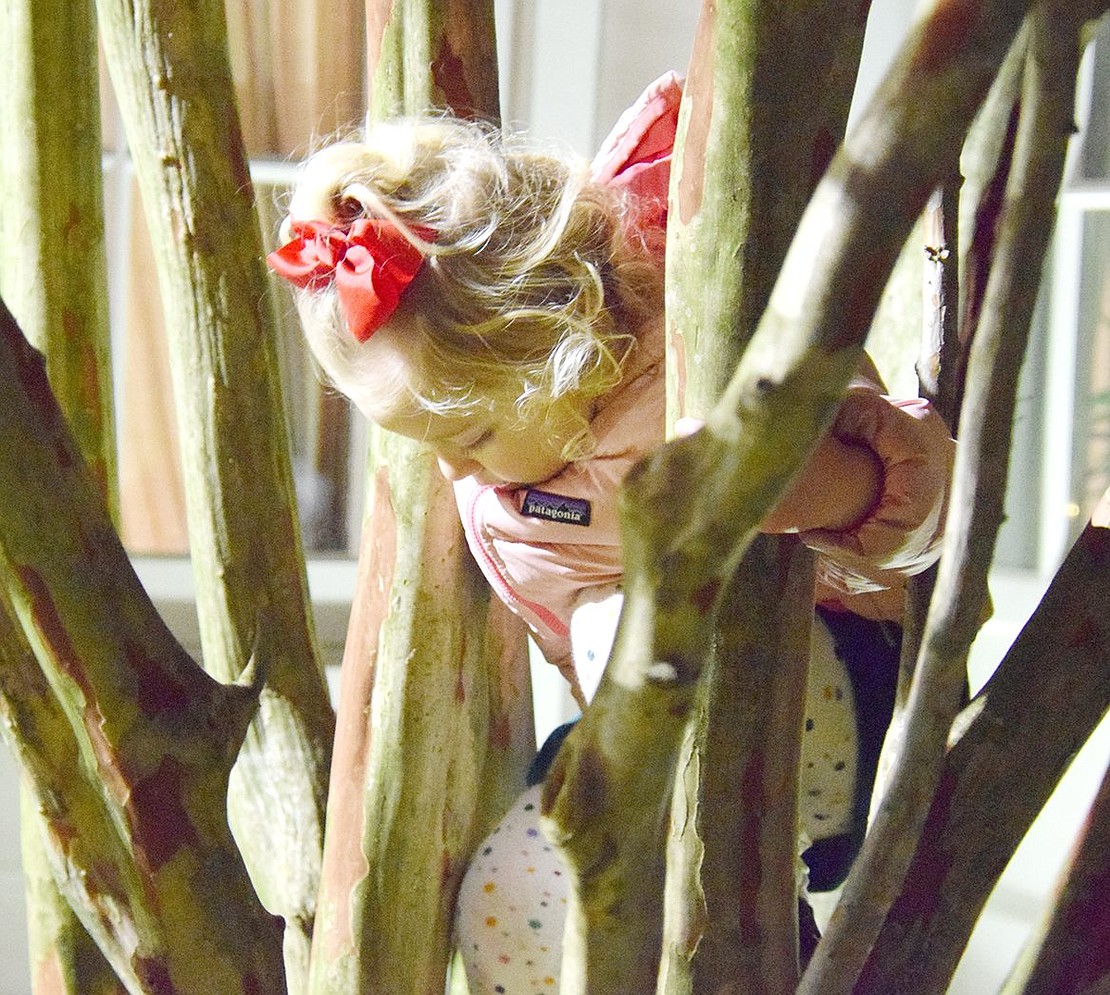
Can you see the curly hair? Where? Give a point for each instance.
(530, 288)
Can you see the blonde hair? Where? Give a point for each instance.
(531, 285)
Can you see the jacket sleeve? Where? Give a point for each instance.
(901, 534)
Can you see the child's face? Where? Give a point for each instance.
(494, 449)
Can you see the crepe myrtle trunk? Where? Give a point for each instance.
(52, 274)
(1068, 954)
(748, 155)
(425, 54)
(129, 742)
(170, 71)
(434, 727)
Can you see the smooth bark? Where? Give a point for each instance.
(52, 262)
(136, 821)
(170, 71)
(748, 156)
(1070, 953)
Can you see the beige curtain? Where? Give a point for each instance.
(299, 68)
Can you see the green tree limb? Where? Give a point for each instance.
(150, 867)
(435, 717)
(170, 71)
(748, 155)
(53, 275)
(56, 791)
(975, 511)
(52, 260)
(682, 543)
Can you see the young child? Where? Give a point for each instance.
(503, 304)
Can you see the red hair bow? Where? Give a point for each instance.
(370, 261)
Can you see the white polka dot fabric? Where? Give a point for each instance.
(512, 902)
(827, 779)
(511, 908)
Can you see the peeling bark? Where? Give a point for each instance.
(748, 802)
(434, 734)
(64, 960)
(432, 53)
(137, 827)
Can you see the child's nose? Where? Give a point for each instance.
(457, 467)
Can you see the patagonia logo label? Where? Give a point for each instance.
(556, 508)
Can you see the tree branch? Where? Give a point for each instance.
(1071, 954)
(1025, 727)
(975, 514)
(170, 70)
(749, 151)
(682, 542)
(165, 882)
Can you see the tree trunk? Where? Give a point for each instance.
(52, 264)
(741, 184)
(431, 743)
(743, 933)
(1070, 955)
(134, 793)
(432, 53)
(435, 726)
(170, 71)
(53, 275)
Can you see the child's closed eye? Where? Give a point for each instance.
(474, 441)
(483, 440)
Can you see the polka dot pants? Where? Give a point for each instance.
(512, 906)
(512, 902)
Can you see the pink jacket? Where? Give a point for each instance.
(549, 548)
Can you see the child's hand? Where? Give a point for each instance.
(836, 490)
